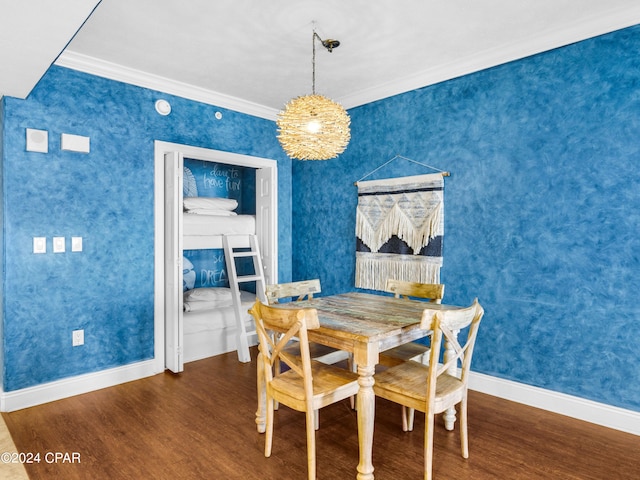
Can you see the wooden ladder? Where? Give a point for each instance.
(243, 246)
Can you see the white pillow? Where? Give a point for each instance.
(209, 294)
(198, 306)
(217, 213)
(209, 203)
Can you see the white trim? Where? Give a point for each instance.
(623, 18)
(68, 387)
(575, 407)
(196, 153)
(600, 25)
(112, 71)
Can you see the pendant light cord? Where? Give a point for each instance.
(313, 60)
(329, 44)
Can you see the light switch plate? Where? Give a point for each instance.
(58, 245)
(76, 244)
(39, 244)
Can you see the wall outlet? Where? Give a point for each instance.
(77, 338)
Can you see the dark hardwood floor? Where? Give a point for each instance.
(200, 425)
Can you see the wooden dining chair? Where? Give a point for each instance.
(307, 385)
(431, 388)
(401, 289)
(298, 291)
(303, 290)
(412, 350)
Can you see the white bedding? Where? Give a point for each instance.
(199, 299)
(216, 318)
(204, 204)
(195, 224)
(212, 332)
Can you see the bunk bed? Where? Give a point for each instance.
(208, 312)
(210, 326)
(205, 220)
(200, 231)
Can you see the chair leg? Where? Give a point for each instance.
(464, 437)
(268, 439)
(316, 419)
(311, 444)
(276, 371)
(428, 446)
(407, 419)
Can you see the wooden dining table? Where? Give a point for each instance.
(364, 325)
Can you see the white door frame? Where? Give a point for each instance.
(218, 156)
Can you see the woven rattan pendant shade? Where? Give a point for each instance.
(313, 127)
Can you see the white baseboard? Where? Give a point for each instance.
(575, 407)
(68, 387)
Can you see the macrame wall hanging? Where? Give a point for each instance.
(399, 229)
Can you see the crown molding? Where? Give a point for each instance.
(497, 56)
(579, 31)
(112, 71)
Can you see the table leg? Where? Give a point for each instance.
(366, 402)
(262, 397)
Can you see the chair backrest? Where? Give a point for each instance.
(288, 323)
(443, 323)
(296, 290)
(400, 288)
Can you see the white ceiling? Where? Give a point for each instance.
(32, 35)
(254, 55)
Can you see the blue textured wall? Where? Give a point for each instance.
(106, 197)
(542, 211)
(2, 344)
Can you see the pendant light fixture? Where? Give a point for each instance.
(313, 127)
